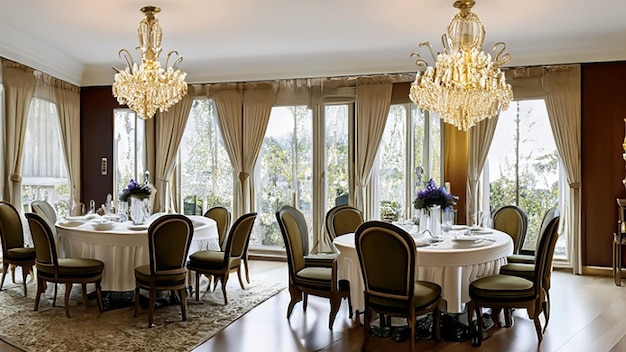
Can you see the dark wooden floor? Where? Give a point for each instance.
(588, 314)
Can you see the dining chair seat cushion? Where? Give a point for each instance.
(521, 258)
(207, 258)
(424, 294)
(73, 267)
(21, 253)
(321, 259)
(502, 288)
(527, 271)
(315, 277)
(142, 276)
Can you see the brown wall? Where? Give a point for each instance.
(603, 111)
(96, 130)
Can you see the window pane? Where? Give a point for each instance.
(392, 165)
(43, 169)
(337, 136)
(283, 172)
(128, 149)
(524, 166)
(206, 171)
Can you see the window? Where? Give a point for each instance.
(283, 173)
(44, 172)
(337, 154)
(129, 151)
(523, 166)
(206, 174)
(408, 156)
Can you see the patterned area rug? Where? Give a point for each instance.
(116, 330)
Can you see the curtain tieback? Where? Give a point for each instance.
(574, 185)
(15, 178)
(243, 175)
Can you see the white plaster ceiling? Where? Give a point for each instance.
(246, 40)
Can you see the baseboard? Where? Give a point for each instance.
(599, 271)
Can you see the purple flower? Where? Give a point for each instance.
(134, 188)
(433, 195)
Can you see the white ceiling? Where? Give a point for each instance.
(246, 40)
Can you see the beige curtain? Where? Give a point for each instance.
(67, 100)
(19, 87)
(243, 112)
(257, 107)
(372, 107)
(229, 102)
(480, 137)
(563, 103)
(169, 129)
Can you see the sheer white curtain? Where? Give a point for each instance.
(372, 107)
(19, 87)
(563, 104)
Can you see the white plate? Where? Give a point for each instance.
(459, 227)
(137, 227)
(481, 232)
(71, 223)
(420, 243)
(102, 226)
(465, 239)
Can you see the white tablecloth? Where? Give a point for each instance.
(122, 248)
(451, 264)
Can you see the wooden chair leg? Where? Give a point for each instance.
(68, 290)
(5, 268)
(136, 302)
(40, 289)
(84, 289)
(245, 264)
(296, 296)
(198, 285)
(54, 299)
(25, 271)
(183, 304)
(224, 279)
(240, 278)
(99, 297)
(13, 272)
(151, 303)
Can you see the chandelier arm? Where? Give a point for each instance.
(446, 42)
(125, 54)
(430, 49)
(167, 60)
(501, 57)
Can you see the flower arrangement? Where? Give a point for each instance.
(135, 189)
(433, 195)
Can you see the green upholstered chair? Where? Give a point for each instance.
(66, 271)
(508, 292)
(512, 220)
(307, 279)
(527, 269)
(14, 253)
(342, 219)
(222, 217)
(221, 263)
(169, 238)
(528, 256)
(387, 258)
(45, 210)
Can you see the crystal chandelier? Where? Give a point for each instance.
(148, 87)
(465, 86)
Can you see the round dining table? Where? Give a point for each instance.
(123, 247)
(452, 260)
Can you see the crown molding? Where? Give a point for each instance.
(39, 56)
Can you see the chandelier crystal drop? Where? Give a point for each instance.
(149, 87)
(465, 86)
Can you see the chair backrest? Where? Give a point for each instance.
(547, 217)
(290, 220)
(239, 236)
(387, 257)
(11, 231)
(514, 221)
(342, 219)
(43, 240)
(222, 217)
(45, 210)
(169, 238)
(545, 253)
